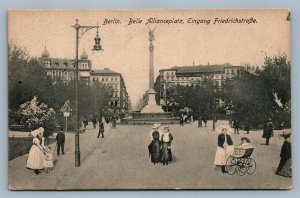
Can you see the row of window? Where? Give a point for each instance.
(231, 71)
(60, 74)
(56, 64)
(95, 79)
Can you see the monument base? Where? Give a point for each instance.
(151, 114)
(151, 107)
(151, 118)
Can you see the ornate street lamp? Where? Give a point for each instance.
(214, 110)
(97, 47)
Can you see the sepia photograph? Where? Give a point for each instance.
(153, 99)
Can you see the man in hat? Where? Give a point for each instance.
(268, 130)
(101, 129)
(60, 140)
(155, 127)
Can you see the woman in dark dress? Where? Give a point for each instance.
(154, 148)
(285, 164)
(166, 139)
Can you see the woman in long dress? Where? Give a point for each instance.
(166, 139)
(36, 156)
(285, 164)
(224, 143)
(154, 148)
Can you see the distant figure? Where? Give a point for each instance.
(166, 153)
(268, 130)
(154, 148)
(181, 121)
(200, 121)
(205, 120)
(107, 120)
(101, 129)
(85, 122)
(48, 163)
(60, 140)
(224, 140)
(285, 164)
(247, 127)
(36, 153)
(236, 126)
(94, 120)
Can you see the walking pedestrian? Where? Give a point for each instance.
(154, 147)
(236, 126)
(268, 130)
(94, 120)
(85, 122)
(247, 127)
(224, 141)
(285, 164)
(200, 121)
(166, 139)
(101, 129)
(205, 120)
(181, 120)
(36, 156)
(60, 141)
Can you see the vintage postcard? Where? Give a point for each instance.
(149, 99)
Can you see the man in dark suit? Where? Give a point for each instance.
(60, 140)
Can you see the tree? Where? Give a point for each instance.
(257, 97)
(34, 115)
(276, 76)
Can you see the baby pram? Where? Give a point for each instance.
(240, 162)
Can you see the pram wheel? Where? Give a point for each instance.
(251, 164)
(231, 165)
(241, 167)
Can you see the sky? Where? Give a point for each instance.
(126, 47)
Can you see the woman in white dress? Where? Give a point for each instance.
(36, 155)
(224, 148)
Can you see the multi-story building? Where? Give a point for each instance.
(193, 75)
(120, 98)
(65, 69)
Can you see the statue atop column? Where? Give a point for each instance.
(151, 34)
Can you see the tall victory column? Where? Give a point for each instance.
(151, 106)
(151, 113)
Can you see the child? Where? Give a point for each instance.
(48, 164)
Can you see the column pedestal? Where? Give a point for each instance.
(151, 106)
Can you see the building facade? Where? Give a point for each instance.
(64, 69)
(120, 98)
(193, 75)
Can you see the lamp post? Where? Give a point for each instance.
(97, 47)
(214, 111)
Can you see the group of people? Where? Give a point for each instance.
(41, 157)
(160, 145)
(226, 148)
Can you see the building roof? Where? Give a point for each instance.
(63, 63)
(201, 68)
(84, 55)
(104, 72)
(45, 53)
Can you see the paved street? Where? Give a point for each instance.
(120, 161)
